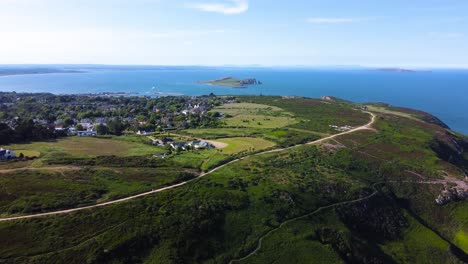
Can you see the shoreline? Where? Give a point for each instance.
(37, 73)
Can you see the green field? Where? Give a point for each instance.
(27, 153)
(215, 133)
(461, 239)
(255, 116)
(241, 144)
(85, 147)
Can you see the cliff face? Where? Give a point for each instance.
(424, 116)
(421, 115)
(433, 120)
(451, 148)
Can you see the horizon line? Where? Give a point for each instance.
(408, 67)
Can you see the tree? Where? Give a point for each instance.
(7, 135)
(102, 129)
(116, 127)
(68, 121)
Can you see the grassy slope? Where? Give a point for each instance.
(41, 191)
(50, 188)
(220, 217)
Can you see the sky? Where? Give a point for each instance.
(384, 33)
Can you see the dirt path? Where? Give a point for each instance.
(260, 240)
(54, 169)
(367, 126)
(458, 183)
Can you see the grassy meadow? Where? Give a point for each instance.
(252, 115)
(243, 144)
(84, 147)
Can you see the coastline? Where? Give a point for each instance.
(37, 73)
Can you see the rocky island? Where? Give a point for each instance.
(232, 82)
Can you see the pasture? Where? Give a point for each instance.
(252, 115)
(242, 144)
(84, 147)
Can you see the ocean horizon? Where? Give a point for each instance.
(442, 93)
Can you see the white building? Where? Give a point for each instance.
(86, 133)
(6, 154)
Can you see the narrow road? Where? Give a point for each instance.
(367, 126)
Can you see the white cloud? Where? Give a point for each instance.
(231, 7)
(330, 20)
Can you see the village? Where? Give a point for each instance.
(93, 115)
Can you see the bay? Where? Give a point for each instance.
(443, 93)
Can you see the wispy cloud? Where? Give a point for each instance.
(183, 33)
(330, 20)
(231, 7)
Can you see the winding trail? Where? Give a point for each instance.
(367, 126)
(261, 238)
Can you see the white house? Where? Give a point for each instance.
(201, 145)
(86, 133)
(181, 145)
(6, 154)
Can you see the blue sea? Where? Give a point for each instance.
(443, 93)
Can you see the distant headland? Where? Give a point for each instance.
(29, 71)
(232, 82)
(402, 70)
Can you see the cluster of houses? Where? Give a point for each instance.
(6, 154)
(180, 146)
(197, 144)
(91, 133)
(80, 133)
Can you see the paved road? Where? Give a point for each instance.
(364, 127)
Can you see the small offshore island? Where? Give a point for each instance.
(232, 82)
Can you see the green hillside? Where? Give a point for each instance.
(365, 196)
